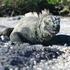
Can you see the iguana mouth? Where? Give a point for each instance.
(52, 30)
(49, 30)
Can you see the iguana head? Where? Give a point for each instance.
(50, 25)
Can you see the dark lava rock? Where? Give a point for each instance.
(24, 55)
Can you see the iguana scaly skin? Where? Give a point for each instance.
(35, 29)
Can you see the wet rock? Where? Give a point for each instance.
(6, 32)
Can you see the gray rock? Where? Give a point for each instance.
(6, 31)
(36, 29)
(27, 56)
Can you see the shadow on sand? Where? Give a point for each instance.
(59, 40)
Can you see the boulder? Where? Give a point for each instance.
(36, 29)
(5, 31)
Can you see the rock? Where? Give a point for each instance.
(36, 29)
(65, 11)
(27, 56)
(6, 32)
